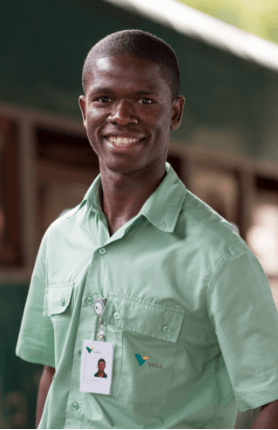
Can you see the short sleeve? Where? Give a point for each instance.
(36, 337)
(245, 318)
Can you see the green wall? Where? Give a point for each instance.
(44, 44)
(18, 379)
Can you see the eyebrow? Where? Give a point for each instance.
(108, 91)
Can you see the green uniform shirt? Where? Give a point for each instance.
(181, 288)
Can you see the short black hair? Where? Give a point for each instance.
(139, 44)
(101, 359)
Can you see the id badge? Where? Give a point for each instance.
(96, 367)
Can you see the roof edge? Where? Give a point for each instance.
(206, 29)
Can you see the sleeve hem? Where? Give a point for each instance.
(257, 398)
(35, 356)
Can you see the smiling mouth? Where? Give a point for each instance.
(123, 143)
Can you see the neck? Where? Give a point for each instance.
(124, 194)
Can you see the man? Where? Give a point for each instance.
(101, 366)
(182, 291)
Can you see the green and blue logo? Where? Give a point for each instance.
(141, 360)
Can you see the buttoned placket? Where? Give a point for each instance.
(88, 321)
(99, 262)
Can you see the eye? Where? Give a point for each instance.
(148, 100)
(106, 99)
(102, 97)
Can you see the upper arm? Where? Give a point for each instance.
(245, 318)
(274, 403)
(49, 369)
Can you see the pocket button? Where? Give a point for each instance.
(62, 301)
(166, 329)
(89, 300)
(116, 315)
(74, 406)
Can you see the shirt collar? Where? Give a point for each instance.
(162, 208)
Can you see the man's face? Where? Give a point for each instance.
(126, 97)
(101, 366)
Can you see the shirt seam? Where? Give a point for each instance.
(220, 258)
(270, 310)
(213, 270)
(155, 305)
(216, 405)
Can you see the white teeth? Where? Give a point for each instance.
(122, 141)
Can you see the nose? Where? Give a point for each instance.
(122, 114)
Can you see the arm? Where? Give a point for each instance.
(45, 383)
(268, 416)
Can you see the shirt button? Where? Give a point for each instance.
(62, 301)
(74, 406)
(89, 300)
(166, 329)
(102, 251)
(79, 351)
(116, 315)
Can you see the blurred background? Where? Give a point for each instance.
(225, 152)
(254, 16)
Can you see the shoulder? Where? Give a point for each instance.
(213, 235)
(67, 220)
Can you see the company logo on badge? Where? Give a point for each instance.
(89, 349)
(141, 360)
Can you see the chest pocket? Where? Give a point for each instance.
(149, 347)
(58, 301)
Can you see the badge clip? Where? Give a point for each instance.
(99, 305)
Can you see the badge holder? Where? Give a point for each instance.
(97, 358)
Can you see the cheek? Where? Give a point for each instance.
(161, 120)
(155, 116)
(94, 125)
(161, 128)
(95, 118)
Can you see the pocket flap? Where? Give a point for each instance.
(59, 296)
(149, 319)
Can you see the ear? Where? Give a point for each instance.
(82, 105)
(177, 111)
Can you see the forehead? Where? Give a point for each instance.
(124, 60)
(126, 70)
